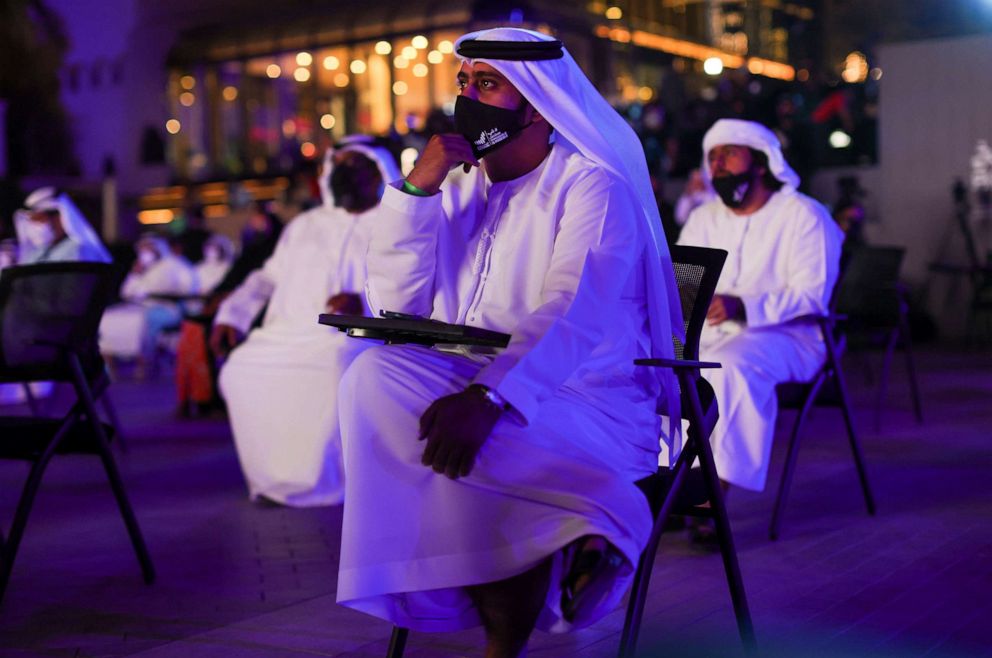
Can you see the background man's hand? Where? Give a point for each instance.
(224, 338)
(455, 428)
(441, 155)
(345, 303)
(723, 308)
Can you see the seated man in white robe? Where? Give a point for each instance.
(477, 481)
(130, 329)
(784, 252)
(280, 386)
(51, 229)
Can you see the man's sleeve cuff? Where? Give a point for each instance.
(523, 405)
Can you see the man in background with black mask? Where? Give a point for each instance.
(280, 386)
(784, 252)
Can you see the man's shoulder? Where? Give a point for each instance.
(797, 204)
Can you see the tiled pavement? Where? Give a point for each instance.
(236, 579)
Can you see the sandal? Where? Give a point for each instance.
(589, 579)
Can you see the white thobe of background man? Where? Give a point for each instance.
(280, 385)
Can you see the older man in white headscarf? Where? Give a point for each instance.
(784, 253)
(280, 386)
(535, 449)
(50, 228)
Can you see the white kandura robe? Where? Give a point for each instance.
(125, 327)
(556, 259)
(782, 262)
(281, 384)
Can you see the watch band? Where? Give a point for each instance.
(491, 396)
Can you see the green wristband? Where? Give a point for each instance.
(410, 188)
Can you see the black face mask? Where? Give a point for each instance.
(487, 127)
(733, 189)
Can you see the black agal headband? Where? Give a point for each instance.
(517, 51)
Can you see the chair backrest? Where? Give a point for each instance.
(868, 288)
(697, 270)
(48, 310)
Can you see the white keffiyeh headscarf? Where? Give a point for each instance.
(564, 96)
(753, 135)
(73, 222)
(382, 158)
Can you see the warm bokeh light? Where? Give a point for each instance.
(304, 59)
(301, 74)
(383, 48)
(187, 99)
(614, 13)
(409, 52)
(645, 94)
(331, 63)
(400, 88)
(172, 126)
(187, 82)
(435, 57)
(446, 47)
(341, 80)
(288, 128)
(420, 70)
(875, 73)
(327, 121)
(713, 66)
(273, 71)
(156, 216)
(840, 139)
(855, 67)
(419, 42)
(358, 66)
(401, 62)
(307, 149)
(229, 93)
(802, 75)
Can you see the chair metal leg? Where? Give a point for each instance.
(883, 382)
(8, 551)
(642, 577)
(31, 399)
(397, 642)
(859, 458)
(729, 553)
(907, 346)
(792, 456)
(137, 540)
(115, 422)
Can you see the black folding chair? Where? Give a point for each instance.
(677, 490)
(697, 271)
(877, 313)
(49, 315)
(826, 388)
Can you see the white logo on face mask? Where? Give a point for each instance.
(489, 138)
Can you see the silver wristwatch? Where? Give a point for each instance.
(492, 396)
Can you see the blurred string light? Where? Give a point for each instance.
(713, 66)
(301, 74)
(876, 73)
(420, 70)
(187, 82)
(273, 71)
(435, 57)
(341, 80)
(409, 52)
(230, 93)
(840, 139)
(172, 126)
(446, 47)
(400, 88)
(358, 66)
(304, 59)
(187, 99)
(308, 149)
(288, 128)
(614, 13)
(401, 62)
(327, 121)
(645, 94)
(331, 63)
(383, 48)
(855, 67)
(419, 42)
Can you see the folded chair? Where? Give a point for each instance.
(826, 388)
(49, 315)
(697, 271)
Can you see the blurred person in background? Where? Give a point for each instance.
(50, 228)
(151, 295)
(695, 193)
(280, 385)
(784, 254)
(218, 257)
